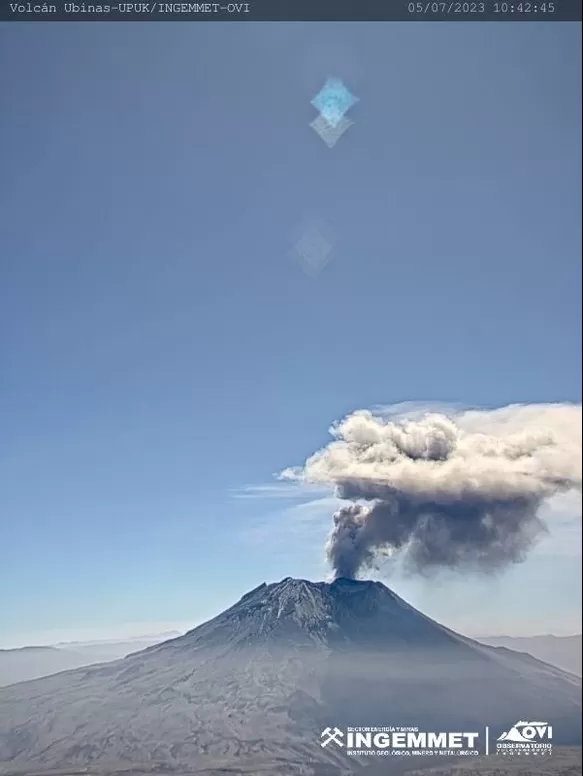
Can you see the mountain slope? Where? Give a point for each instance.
(252, 688)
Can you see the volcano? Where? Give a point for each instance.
(249, 691)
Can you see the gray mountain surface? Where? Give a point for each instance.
(563, 762)
(249, 691)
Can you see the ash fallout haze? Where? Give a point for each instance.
(290, 366)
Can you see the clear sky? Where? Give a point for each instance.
(162, 354)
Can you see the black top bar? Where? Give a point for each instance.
(292, 10)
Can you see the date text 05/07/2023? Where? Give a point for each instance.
(440, 7)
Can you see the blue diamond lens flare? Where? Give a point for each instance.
(333, 101)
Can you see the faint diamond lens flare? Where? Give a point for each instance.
(329, 134)
(312, 247)
(332, 101)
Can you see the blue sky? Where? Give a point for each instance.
(162, 355)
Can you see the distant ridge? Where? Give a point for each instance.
(20, 664)
(562, 651)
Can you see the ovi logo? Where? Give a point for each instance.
(526, 738)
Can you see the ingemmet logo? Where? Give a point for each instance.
(399, 742)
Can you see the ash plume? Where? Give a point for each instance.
(459, 489)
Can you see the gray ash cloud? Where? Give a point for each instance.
(459, 490)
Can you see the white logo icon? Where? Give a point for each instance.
(331, 735)
(528, 738)
(528, 732)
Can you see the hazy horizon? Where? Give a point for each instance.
(144, 631)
